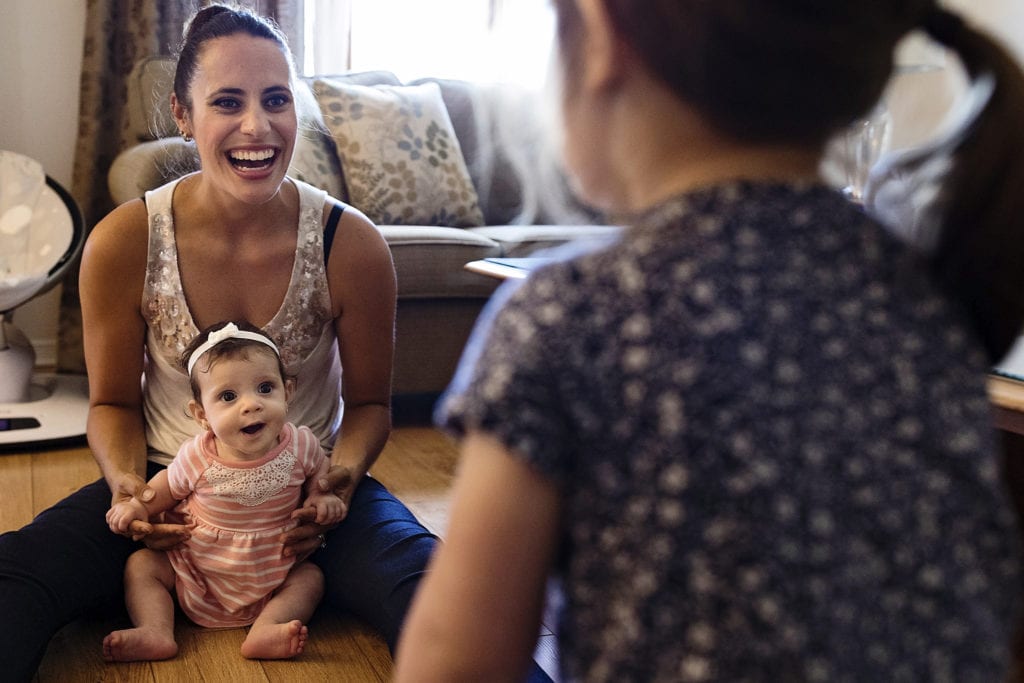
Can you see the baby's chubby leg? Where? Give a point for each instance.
(280, 631)
(148, 581)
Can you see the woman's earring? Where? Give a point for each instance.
(186, 136)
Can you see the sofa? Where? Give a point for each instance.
(474, 181)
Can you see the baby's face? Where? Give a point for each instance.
(245, 403)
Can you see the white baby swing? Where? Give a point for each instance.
(41, 235)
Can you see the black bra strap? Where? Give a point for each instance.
(331, 228)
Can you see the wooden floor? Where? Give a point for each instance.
(417, 466)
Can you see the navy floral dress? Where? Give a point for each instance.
(772, 438)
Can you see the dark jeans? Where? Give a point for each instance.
(67, 563)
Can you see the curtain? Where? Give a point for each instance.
(289, 16)
(118, 33)
(331, 37)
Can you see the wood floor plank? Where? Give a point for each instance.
(75, 656)
(373, 647)
(15, 491)
(339, 649)
(417, 460)
(58, 473)
(208, 655)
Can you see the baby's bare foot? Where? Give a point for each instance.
(275, 641)
(138, 645)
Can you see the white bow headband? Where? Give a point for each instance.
(229, 331)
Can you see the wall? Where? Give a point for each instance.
(40, 61)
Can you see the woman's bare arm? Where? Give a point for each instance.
(112, 273)
(110, 283)
(363, 292)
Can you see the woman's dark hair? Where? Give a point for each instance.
(218, 21)
(798, 71)
(228, 348)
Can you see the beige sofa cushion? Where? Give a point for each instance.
(430, 261)
(399, 154)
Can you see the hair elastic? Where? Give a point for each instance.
(229, 331)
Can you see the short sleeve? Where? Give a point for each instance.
(311, 455)
(186, 468)
(505, 385)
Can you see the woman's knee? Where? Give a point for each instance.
(380, 541)
(69, 545)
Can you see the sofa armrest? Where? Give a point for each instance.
(149, 165)
(430, 260)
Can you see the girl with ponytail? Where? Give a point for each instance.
(751, 437)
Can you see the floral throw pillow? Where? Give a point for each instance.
(312, 163)
(401, 160)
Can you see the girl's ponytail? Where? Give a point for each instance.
(978, 252)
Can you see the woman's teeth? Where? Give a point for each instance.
(252, 158)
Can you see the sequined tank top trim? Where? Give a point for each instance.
(303, 327)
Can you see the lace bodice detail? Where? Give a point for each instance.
(251, 487)
(298, 323)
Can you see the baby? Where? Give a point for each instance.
(239, 483)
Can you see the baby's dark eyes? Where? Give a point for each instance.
(228, 396)
(266, 387)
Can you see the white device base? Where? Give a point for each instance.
(55, 413)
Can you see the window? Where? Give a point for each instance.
(480, 40)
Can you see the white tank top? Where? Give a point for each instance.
(303, 329)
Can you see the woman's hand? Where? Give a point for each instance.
(308, 536)
(164, 536)
(133, 489)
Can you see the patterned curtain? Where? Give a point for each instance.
(289, 16)
(118, 33)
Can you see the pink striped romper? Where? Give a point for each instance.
(232, 564)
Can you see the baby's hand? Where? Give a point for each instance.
(330, 509)
(124, 513)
